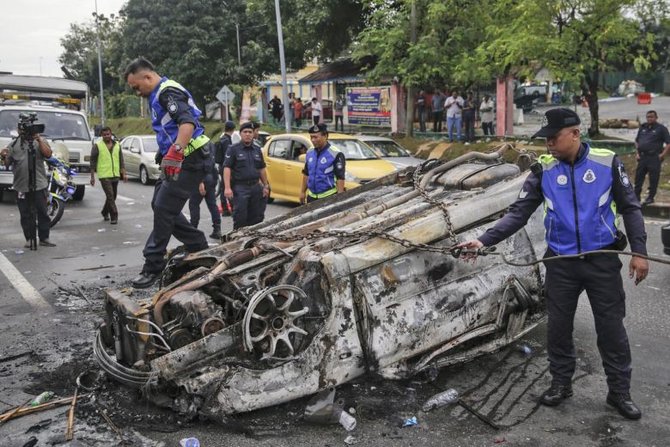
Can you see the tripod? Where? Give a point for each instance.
(32, 188)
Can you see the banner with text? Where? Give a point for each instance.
(370, 106)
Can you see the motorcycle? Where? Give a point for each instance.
(61, 188)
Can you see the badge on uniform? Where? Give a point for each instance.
(589, 176)
(172, 106)
(562, 180)
(324, 161)
(625, 181)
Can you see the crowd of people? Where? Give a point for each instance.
(299, 111)
(457, 115)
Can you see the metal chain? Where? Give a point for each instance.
(451, 234)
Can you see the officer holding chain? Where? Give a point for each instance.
(323, 174)
(582, 189)
(185, 156)
(245, 179)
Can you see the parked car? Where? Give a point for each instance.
(318, 297)
(139, 154)
(390, 150)
(284, 164)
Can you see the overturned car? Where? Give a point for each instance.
(364, 282)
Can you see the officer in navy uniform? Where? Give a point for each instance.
(185, 156)
(652, 144)
(245, 179)
(221, 148)
(582, 188)
(323, 174)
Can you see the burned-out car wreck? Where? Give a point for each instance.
(365, 282)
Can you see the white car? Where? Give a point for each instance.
(139, 157)
(391, 151)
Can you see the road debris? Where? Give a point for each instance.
(69, 432)
(16, 356)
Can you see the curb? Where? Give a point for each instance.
(660, 210)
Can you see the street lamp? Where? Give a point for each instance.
(102, 96)
(282, 63)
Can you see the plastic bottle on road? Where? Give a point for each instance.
(439, 400)
(42, 398)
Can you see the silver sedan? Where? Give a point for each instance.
(139, 152)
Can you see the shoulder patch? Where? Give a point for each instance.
(172, 105)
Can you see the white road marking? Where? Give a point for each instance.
(127, 199)
(21, 284)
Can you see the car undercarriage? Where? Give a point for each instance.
(365, 282)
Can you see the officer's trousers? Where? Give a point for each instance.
(248, 205)
(168, 201)
(650, 164)
(600, 277)
(210, 199)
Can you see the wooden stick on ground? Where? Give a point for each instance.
(12, 413)
(23, 409)
(69, 432)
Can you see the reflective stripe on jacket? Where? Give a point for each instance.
(320, 170)
(167, 128)
(579, 210)
(108, 161)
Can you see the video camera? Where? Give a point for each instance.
(28, 125)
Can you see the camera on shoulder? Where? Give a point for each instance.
(28, 125)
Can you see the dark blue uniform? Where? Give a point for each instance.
(599, 275)
(650, 141)
(245, 163)
(210, 181)
(171, 106)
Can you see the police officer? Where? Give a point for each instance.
(207, 191)
(650, 153)
(185, 156)
(221, 148)
(323, 174)
(245, 180)
(582, 188)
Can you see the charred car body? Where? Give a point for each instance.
(361, 283)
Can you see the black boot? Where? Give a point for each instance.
(556, 394)
(624, 405)
(216, 232)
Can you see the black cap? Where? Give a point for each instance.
(229, 125)
(247, 125)
(555, 120)
(318, 128)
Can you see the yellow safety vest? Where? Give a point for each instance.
(108, 161)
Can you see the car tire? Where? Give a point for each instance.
(79, 193)
(144, 176)
(665, 238)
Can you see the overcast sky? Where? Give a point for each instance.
(31, 31)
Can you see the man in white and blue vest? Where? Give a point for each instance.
(582, 189)
(323, 174)
(185, 156)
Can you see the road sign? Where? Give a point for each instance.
(225, 94)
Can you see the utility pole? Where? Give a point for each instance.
(409, 114)
(102, 96)
(282, 62)
(239, 55)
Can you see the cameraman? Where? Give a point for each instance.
(16, 155)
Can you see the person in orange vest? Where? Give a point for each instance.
(107, 161)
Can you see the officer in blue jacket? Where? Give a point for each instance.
(245, 179)
(323, 174)
(185, 156)
(582, 189)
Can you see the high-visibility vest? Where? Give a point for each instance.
(108, 161)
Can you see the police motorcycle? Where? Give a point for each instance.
(61, 188)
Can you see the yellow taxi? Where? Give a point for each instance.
(284, 164)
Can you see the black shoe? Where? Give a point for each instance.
(215, 235)
(114, 221)
(624, 405)
(145, 280)
(647, 201)
(105, 217)
(46, 243)
(556, 394)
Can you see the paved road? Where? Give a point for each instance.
(92, 254)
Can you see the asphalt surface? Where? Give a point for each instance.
(53, 331)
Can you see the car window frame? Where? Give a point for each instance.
(274, 143)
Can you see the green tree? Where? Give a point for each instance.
(80, 56)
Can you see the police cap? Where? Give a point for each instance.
(229, 125)
(247, 125)
(555, 120)
(318, 128)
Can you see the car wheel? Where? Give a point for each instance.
(79, 193)
(144, 175)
